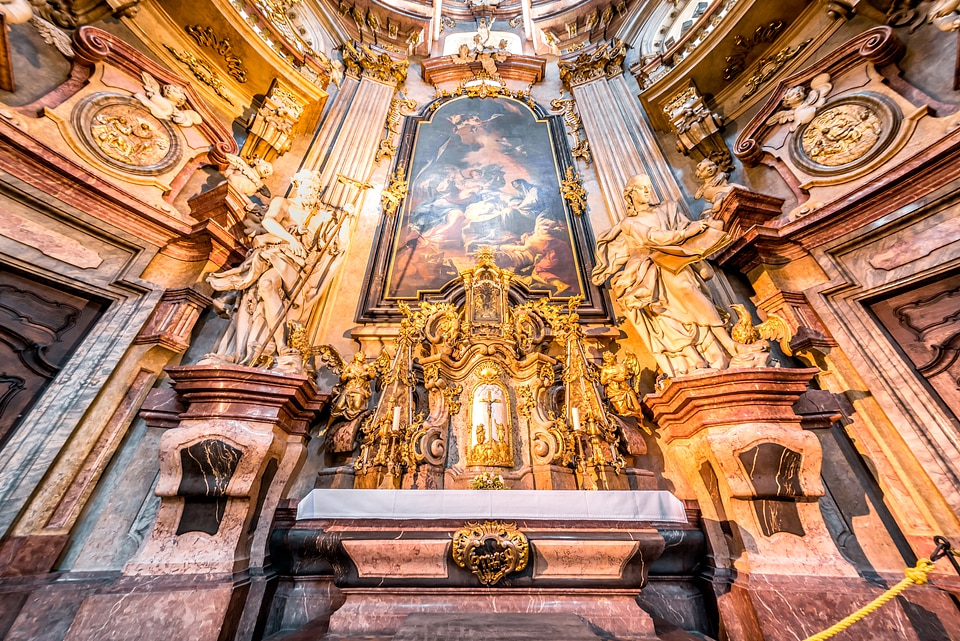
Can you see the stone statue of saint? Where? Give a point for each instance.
(654, 258)
(282, 277)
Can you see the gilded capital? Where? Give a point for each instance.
(603, 61)
(362, 60)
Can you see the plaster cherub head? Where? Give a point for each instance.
(707, 169)
(794, 97)
(174, 94)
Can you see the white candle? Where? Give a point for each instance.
(396, 418)
(575, 412)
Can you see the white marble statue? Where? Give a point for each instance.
(287, 270)
(247, 177)
(654, 257)
(945, 15)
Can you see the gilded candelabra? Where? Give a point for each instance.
(589, 430)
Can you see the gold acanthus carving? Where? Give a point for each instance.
(768, 67)
(605, 61)
(398, 105)
(842, 134)
(206, 37)
(202, 71)
(392, 197)
(581, 146)
(491, 550)
(362, 61)
(571, 188)
(743, 45)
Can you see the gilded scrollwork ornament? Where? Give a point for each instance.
(202, 71)
(571, 188)
(392, 197)
(362, 61)
(491, 550)
(567, 109)
(400, 106)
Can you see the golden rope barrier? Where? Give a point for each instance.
(913, 576)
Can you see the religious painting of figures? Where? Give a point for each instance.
(483, 174)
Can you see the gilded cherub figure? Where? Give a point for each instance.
(354, 390)
(621, 383)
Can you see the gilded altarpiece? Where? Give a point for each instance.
(496, 397)
(498, 421)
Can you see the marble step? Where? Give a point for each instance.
(499, 626)
(494, 625)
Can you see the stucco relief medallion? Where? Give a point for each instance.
(846, 134)
(125, 135)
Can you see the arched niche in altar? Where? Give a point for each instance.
(482, 172)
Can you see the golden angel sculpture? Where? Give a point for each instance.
(654, 256)
(621, 383)
(353, 392)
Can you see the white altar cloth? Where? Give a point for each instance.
(562, 505)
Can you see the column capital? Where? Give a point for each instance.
(366, 61)
(605, 60)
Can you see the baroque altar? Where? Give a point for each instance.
(490, 387)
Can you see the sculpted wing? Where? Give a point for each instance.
(150, 84)
(781, 117)
(777, 329)
(633, 366)
(330, 358)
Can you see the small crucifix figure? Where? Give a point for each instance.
(489, 401)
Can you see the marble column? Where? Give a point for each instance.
(224, 467)
(755, 470)
(346, 145)
(621, 140)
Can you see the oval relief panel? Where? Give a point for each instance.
(845, 134)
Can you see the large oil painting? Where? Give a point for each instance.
(482, 173)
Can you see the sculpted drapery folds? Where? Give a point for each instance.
(653, 256)
(289, 266)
